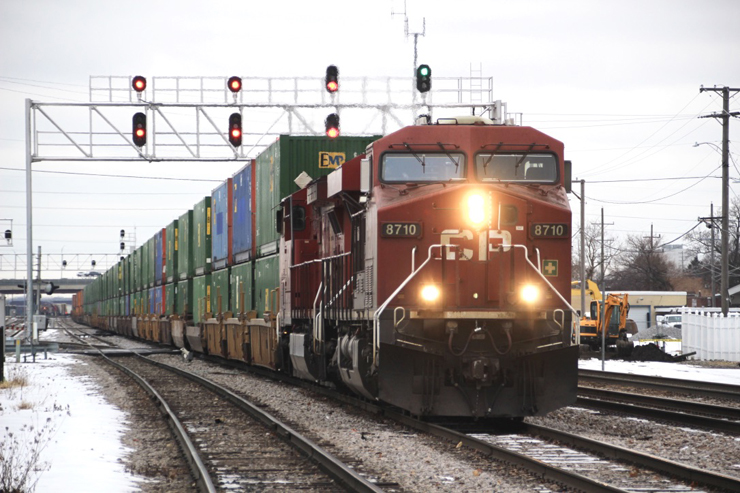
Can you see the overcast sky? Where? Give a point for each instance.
(617, 81)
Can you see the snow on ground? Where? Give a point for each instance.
(80, 431)
(684, 371)
(84, 451)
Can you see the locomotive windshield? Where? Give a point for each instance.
(519, 167)
(422, 167)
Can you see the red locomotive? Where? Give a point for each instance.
(431, 273)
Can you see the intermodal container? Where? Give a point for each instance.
(242, 231)
(281, 163)
(152, 261)
(220, 289)
(185, 252)
(184, 299)
(146, 261)
(202, 236)
(171, 236)
(241, 287)
(169, 300)
(266, 282)
(201, 297)
(159, 245)
(221, 224)
(136, 270)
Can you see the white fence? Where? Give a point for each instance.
(711, 335)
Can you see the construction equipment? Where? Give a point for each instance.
(616, 309)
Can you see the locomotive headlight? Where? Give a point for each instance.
(476, 209)
(430, 293)
(530, 293)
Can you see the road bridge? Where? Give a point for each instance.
(17, 286)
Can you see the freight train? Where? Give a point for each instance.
(428, 268)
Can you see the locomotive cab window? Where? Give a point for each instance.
(517, 167)
(422, 167)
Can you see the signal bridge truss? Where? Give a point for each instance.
(187, 117)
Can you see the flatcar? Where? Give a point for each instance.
(429, 271)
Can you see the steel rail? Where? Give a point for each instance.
(197, 467)
(615, 452)
(332, 465)
(732, 413)
(707, 389)
(565, 477)
(662, 414)
(561, 476)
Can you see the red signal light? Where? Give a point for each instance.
(138, 83)
(332, 78)
(332, 125)
(139, 129)
(235, 129)
(234, 84)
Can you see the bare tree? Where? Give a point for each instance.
(700, 245)
(641, 267)
(592, 255)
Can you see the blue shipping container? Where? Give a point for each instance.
(152, 302)
(242, 215)
(158, 249)
(221, 225)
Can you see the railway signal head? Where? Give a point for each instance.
(50, 287)
(139, 129)
(234, 84)
(332, 125)
(235, 129)
(138, 83)
(423, 78)
(332, 79)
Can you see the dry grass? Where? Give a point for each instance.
(14, 381)
(25, 405)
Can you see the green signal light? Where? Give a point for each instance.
(424, 71)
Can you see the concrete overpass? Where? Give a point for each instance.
(66, 286)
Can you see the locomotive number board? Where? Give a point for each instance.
(545, 230)
(400, 230)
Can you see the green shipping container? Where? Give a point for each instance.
(266, 280)
(282, 162)
(202, 236)
(220, 287)
(170, 266)
(150, 262)
(184, 299)
(241, 288)
(201, 297)
(185, 252)
(169, 298)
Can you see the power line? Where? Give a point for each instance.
(114, 176)
(662, 198)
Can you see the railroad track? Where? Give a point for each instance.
(685, 387)
(571, 460)
(230, 443)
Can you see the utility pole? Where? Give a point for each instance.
(709, 221)
(725, 116)
(604, 324)
(583, 248)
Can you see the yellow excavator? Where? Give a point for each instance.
(614, 322)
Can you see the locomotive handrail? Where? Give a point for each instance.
(376, 315)
(539, 273)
